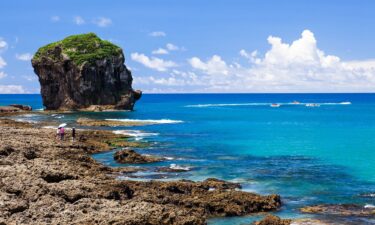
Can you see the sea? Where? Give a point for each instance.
(309, 148)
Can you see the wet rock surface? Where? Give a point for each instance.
(14, 108)
(273, 220)
(341, 210)
(44, 180)
(130, 156)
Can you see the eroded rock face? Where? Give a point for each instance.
(340, 210)
(273, 220)
(130, 156)
(84, 72)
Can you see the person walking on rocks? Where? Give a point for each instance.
(62, 133)
(73, 134)
(58, 134)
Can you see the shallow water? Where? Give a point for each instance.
(309, 155)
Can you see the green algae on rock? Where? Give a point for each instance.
(81, 48)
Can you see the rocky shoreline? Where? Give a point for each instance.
(44, 180)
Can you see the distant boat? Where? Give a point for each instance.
(312, 105)
(275, 105)
(296, 102)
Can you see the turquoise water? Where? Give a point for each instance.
(308, 155)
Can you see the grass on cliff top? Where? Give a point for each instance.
(81, 48)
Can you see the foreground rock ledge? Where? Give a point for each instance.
(44, 180)
(84, 72)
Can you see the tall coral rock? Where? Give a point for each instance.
(84, 72)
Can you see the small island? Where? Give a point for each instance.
(84, 72)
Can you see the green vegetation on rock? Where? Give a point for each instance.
(81, 48)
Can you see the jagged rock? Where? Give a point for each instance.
(9, 109)
(84, 72)
(340, 210)
(64, 185)
(273, 220)
(130, 156)
(22, 107)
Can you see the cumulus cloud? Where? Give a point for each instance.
(102, 22)
(24, 56)
(158, 34)
(299, 66)
(2, 74)
(214, 65)
(172, 47)
(30, 77)
(168, 48)
(2, 63)
(55, 18)
(3, 47)
(160, 51)
(12, 89)
(153, 62)
(79, 20)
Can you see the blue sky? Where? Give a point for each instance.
(205, 46)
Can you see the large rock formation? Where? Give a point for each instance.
(84, 72)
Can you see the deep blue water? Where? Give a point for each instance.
(308, 155)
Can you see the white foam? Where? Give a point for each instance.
(137, 134)
(372, 195)
(226, 104)
(369, 206)
(177, 167)
(26, 121)
(49, 127)
(263, 104)
(169, 158)
(29, 115)
(161, 121)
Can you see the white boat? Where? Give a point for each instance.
(296, 103)
(275, 105)
(312, 105)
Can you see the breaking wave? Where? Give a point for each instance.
(135, 133)
(161, 121)
(264, 104)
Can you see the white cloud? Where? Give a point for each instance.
(24, 56)
(299, 66)
(153, 62)
(2, 63)
(11, 89)
(158, 34)
(160, 51)
(3, 47)
(102, 22)
(79, 20)
(30, 77)
(250, 56)
(214, 65)
(172, 47)
(55, 18)
(2, 74)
